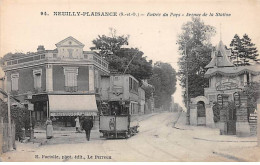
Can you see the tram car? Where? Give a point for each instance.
(119, 106)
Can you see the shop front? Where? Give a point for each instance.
(63, 109)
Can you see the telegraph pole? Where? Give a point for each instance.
(258, 120)
(9, 119)
(187, 86)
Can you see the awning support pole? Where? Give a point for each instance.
(48, 110)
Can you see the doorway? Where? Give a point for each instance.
(201, 113)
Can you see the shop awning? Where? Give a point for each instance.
(72, 105)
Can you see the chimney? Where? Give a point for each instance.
(40, 48)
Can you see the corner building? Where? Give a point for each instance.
(60, 83)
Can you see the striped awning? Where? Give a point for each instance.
(72, 105)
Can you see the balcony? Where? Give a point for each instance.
(71, 88)
(37, 90)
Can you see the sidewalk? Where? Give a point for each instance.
(229, 146)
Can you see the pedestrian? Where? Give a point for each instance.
(81, 118)
(87, 126)
(77, 125)
(49, 129)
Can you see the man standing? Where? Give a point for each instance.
(87, 126)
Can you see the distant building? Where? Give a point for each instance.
(59, 83)
(141, 99)
(149, 102)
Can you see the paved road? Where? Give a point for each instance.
(157, 140)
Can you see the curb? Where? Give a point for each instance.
(235, 141)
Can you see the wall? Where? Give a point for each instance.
(26, 79)
(209, 120)
(83, 79)
(58, 78)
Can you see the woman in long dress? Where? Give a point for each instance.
(49, 129)
(77, 125)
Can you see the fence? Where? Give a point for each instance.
(6, 143)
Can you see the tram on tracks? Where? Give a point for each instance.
(119, 106)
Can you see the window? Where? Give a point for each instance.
(133, 85)
(14, 80)
(130, 83)
(71, 79)
(71, 74)
(37, 75)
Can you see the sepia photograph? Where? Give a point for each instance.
(129, 81)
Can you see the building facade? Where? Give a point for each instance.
(225, 79)
(54, 83)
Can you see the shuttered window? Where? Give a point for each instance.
(37, 75)
(14, 81)
(70, 76)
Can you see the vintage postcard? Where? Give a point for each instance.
(129, 81)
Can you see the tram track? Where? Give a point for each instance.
(151, 143)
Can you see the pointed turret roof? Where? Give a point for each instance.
(221, 53)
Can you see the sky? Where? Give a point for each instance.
(23, 28)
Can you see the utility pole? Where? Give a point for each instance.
(187, 86)
(258, 119)
(9, 120)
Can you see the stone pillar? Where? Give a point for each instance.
(49, 78)
(193, 115)
(209, 116)
(223, 116)
(242, 125)
(91, 79)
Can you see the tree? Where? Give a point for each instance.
(251, 91)
(248, 48)
(243, 50)
(164, 82)
(236, 45)
(195, 39)
(109, 44)
(128, 60)
(20, 116)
